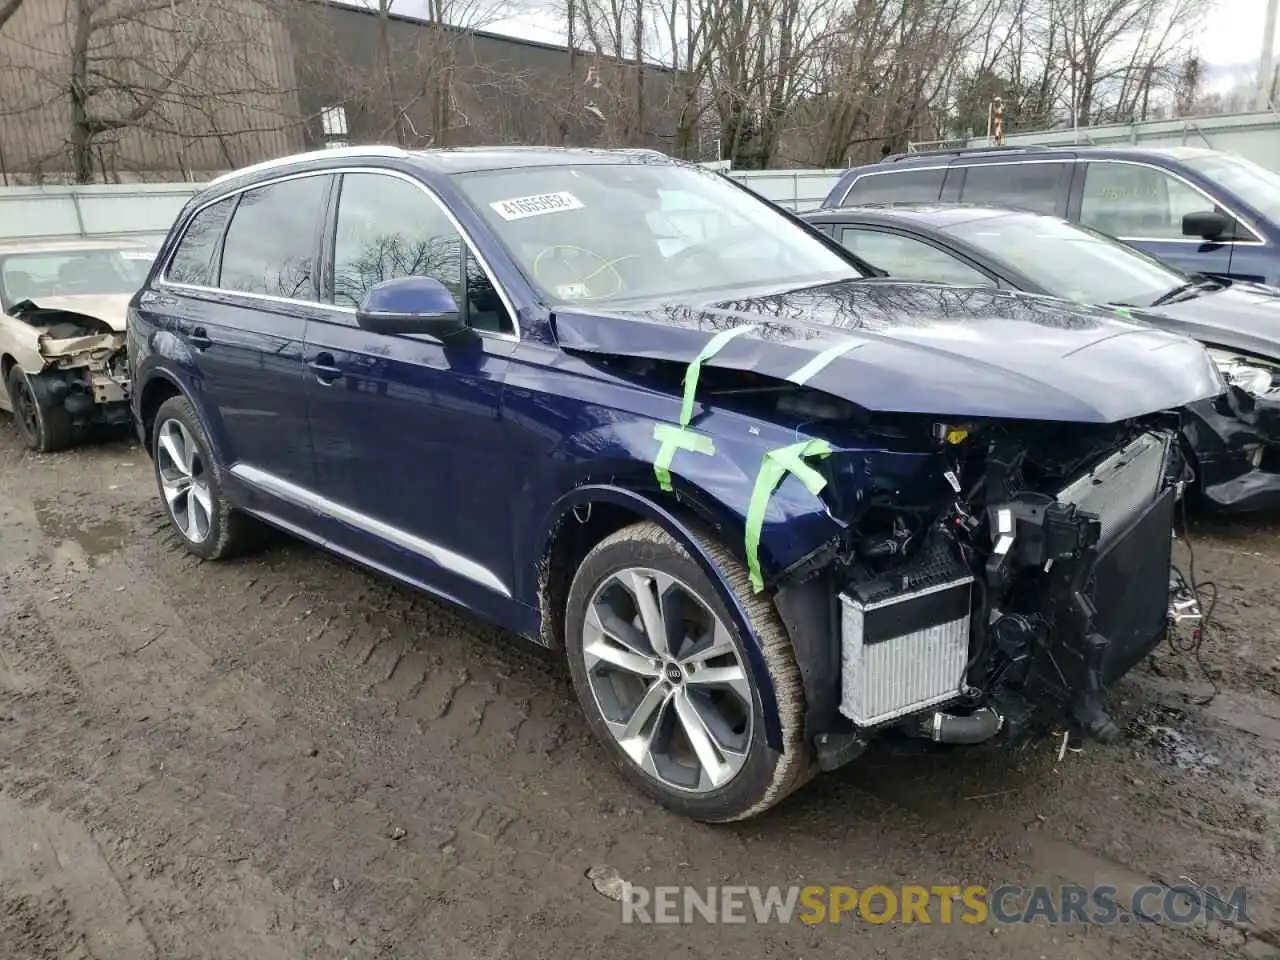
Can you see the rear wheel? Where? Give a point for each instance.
(190, 482)
(665, 680)
(44, 426)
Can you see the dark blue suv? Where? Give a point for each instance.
(766, 506)
(1200, 210)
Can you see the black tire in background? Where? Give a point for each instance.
(190, 486)
(645, 553)
(44, 426)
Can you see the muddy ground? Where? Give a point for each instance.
(285, 757)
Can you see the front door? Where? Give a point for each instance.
(407, 432)
(1143, 206)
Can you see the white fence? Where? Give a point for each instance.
(144, 211)
(799, 190)
(140, 211)
(1252, 135)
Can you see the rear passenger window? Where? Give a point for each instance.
(899, 186)
(193, 260)
(271, 243)
(1039, 187)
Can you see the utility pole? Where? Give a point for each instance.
(1266, 70)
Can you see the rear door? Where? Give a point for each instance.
(1042, 186)
(235, 299)
(1143, 206)
(407, 432)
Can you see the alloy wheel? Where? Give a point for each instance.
(184, 481)
(668, 680)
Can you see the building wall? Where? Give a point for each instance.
(232, 102)
(503, 90)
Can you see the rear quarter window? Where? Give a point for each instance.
(896, 186)
(192, 262)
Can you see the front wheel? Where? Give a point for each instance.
(45, 426)
(665, 681)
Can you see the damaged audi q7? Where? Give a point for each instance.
(767, 506)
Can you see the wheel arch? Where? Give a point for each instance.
(159, 387)
(587, 514)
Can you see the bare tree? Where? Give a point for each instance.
(133, 79)
(7, 9)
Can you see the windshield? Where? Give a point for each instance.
(1255, 185)
(1070, 262)
(70, 273)
(628, 231)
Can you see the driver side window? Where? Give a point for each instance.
(388, 228)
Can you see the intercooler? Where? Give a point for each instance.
(905, 642)
(905, 639)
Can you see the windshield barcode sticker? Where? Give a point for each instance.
(517, 208)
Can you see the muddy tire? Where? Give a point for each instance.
(44, 426)
(190, 484)
(665, 680)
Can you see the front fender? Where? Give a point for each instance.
(644, 506)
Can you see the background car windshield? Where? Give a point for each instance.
(1068, 261)
(645, 232)
(69, 273)
(1255, 185)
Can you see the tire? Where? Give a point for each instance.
(744, 776)
(191, 488)
(44, 427)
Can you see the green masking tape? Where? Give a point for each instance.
(776, 465)
(814, 366)
(691, 374)
(673, 438)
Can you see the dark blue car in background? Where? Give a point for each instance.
(766, 506)
(1200, 210)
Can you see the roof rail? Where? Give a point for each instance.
(965, 151)
(373, 150)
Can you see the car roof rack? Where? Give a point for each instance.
(968, 151)
(356, 152)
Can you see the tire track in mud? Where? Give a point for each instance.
(297, 722)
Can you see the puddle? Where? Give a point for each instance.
(78, 543)
(1157, 727)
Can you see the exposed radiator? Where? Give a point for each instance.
(904, 652)
(1123, 485)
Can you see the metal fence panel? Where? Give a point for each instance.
(141, 211)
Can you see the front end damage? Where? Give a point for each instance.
(80, 365)
(1235, 438)
(1002, 590)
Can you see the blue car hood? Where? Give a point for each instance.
(927, 349)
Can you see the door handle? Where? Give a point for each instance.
(324, 367)
(199, 338)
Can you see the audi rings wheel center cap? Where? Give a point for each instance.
(674, 674)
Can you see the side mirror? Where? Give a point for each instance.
(411, 305)
(1207, 225)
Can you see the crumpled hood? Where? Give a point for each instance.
(1244, 316)
(110, 308)
(928, 349)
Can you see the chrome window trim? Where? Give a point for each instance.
(164, 281)
(308, 500)
(1248, 224)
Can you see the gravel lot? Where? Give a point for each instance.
(285, 757)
